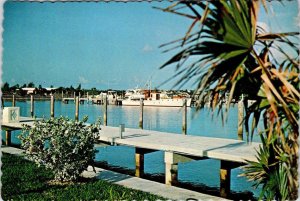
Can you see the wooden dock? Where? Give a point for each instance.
(81, 100)
(17, 126)
(177, 148)
(8, 127)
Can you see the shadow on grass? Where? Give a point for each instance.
(23, 180)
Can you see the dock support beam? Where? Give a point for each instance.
(105, 111)
(184, 118)
(13, 100)
(139, 160)
(171, 164)
(171, 174)
(141, 114)
(52, 106)
(32, 106)
(240, 119)
(8, 138)
(76, 108)
(225, 175)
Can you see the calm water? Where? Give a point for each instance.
(205, 172)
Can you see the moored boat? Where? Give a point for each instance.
(154, 98)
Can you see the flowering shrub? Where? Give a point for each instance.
(64, 146)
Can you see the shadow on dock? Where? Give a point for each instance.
(134, 135)
(201, 188)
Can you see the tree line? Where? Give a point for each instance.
(18, 89)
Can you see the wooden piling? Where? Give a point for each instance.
(32, 106)
(171, 174)
(13, 100)
(141, 120)
(52, 106)
(139, 162)
(225, 173)
(105, 111)
(8, 138)
(184, 117)
(240, 119)
(76, 108)
(171, 168)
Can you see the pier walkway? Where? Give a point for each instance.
(179, 148)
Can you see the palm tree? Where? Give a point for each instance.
(229, 53)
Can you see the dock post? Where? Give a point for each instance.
(8, 138)
(105, 111)
(121, 130)
(13, 100)
(141, 114)
(184, 117)
(74, 96)
(240, 119)
(171, 174)
(76, 108)
(139, 162)
(225, 172)
(52, 106)
(2, 102)
(62, 95)
(31, 106)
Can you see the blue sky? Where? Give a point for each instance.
(102, 45)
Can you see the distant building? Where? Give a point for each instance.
(32, 90)
(29, 90)
(50, 90)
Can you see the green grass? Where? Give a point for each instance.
(23, 180)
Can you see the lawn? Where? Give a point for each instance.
(23, 180)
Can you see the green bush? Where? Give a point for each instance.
(64, 146)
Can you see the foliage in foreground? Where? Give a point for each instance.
(23, 180)
(229, 54)
(64, 146)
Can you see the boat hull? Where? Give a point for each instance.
(159, 103)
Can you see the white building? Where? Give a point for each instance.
(29, 90)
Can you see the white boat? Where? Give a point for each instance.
(158, 99)
(110, 95)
